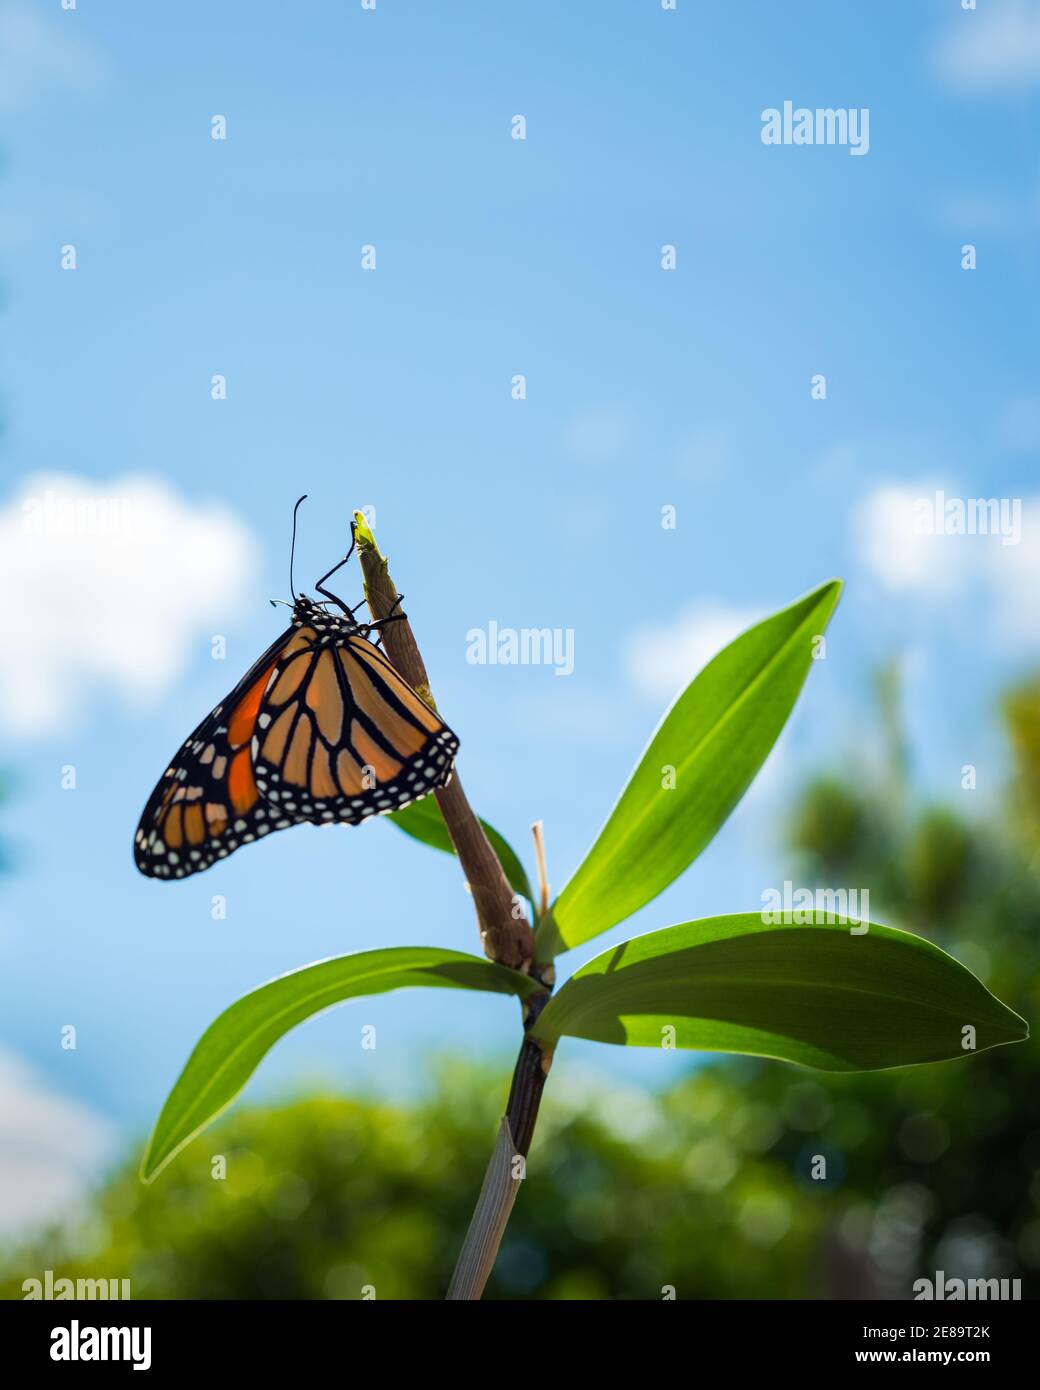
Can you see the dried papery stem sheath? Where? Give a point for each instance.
(505, 932)
(488, 1224)
(505, 1170)
(538, 832)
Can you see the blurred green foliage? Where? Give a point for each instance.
(706, 1187)
(325, 1197)
(1021, 708)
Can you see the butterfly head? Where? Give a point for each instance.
(308, 612)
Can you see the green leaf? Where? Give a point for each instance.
(231, 1048)
(423, 821)
(815, 994)
(716, 736)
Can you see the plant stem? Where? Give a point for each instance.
(525, 1093)
(505, 1171)
(505, 934)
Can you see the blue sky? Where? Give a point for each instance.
(391, 388)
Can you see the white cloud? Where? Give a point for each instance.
(1014, 578)
(940, 568)
(662, 658)
(43, 55)
(898, 556)
(107, 585)
(51, 1149)
(992, 49)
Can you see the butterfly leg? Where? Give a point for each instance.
(331, 572)
(391, 617)
(378, 626)
(362, 601)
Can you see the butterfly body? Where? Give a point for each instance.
(322, 729)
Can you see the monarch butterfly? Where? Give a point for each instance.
(321, 729)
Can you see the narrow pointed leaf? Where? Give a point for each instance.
(715, 737)
(423, 821)
(815, 994)
(230, 1050)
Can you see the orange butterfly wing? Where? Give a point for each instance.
(206, 803)
(341, 736)
(321, 729)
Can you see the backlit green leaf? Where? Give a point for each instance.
(817, 994)
(699, 763)
(231, 1048)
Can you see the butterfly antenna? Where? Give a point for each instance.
(292, 548)
(332, 571)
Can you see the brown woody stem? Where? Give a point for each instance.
(505, 932)
(506, 936)
(525, 1094)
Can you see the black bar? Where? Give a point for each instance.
(784, 1337)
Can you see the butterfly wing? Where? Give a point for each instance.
(206, 803)
(316, 731)
(341, 736)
